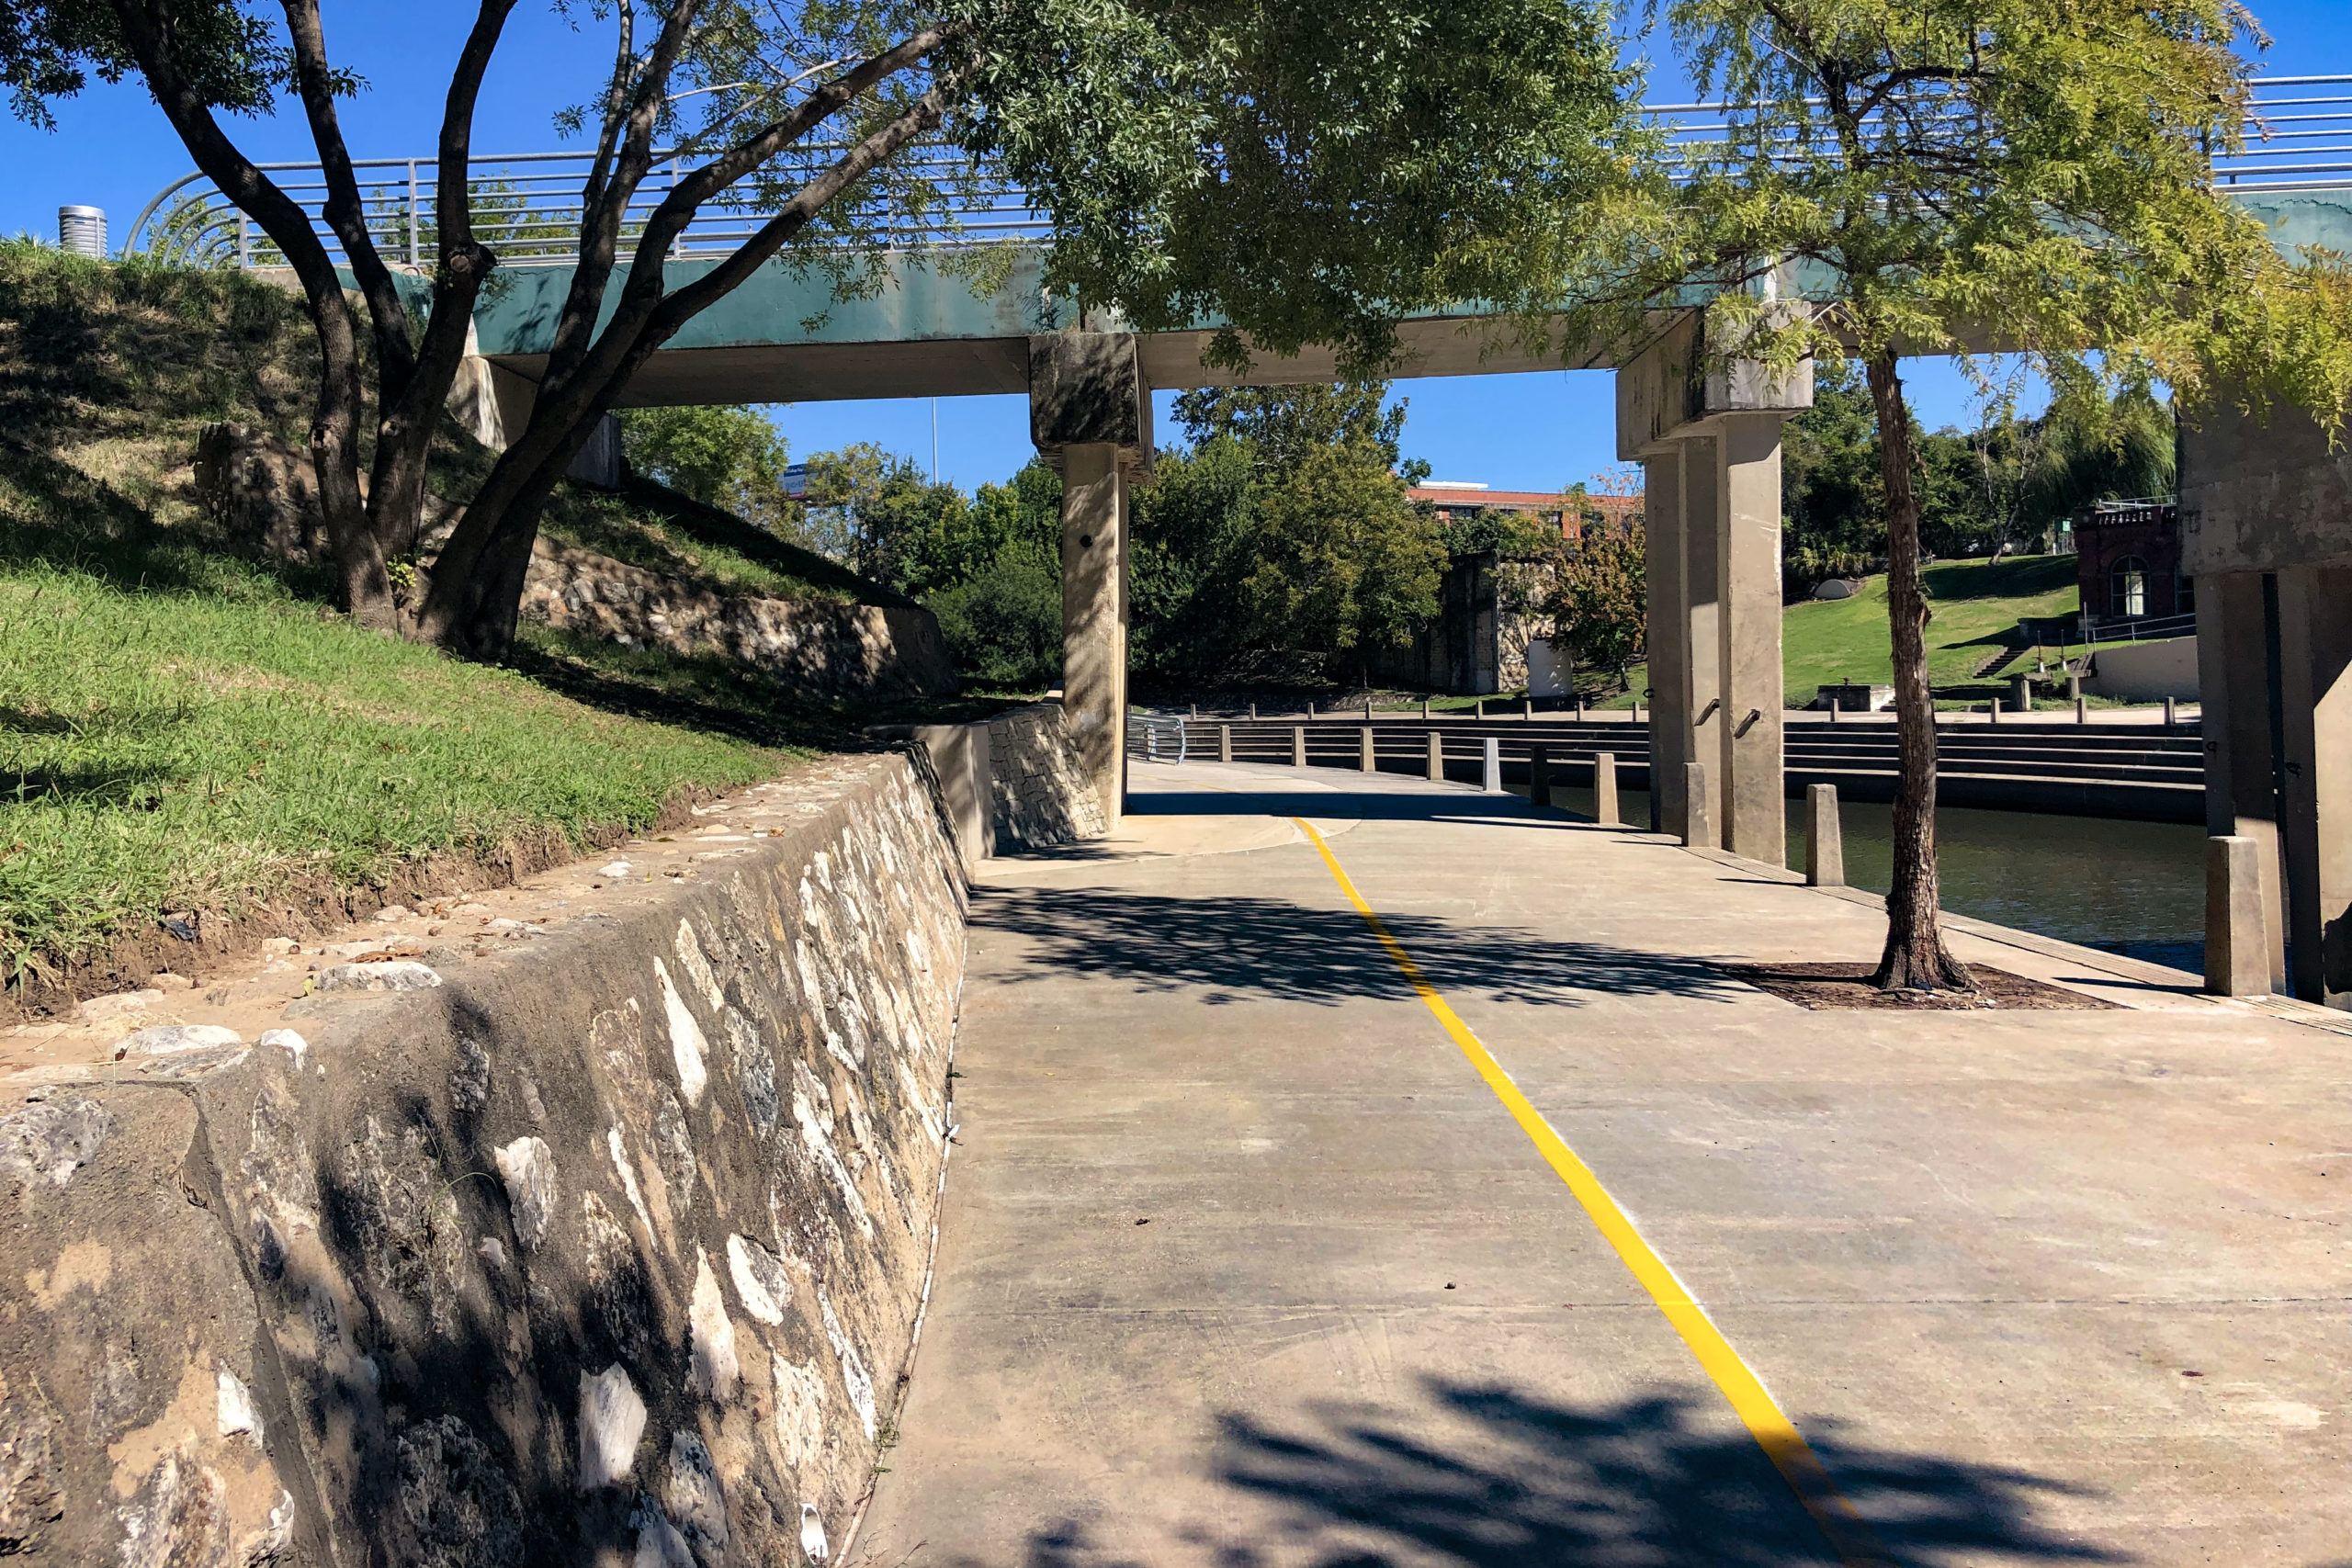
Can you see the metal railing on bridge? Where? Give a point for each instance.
(528, 205)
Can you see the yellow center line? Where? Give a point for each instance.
(1773, 1431)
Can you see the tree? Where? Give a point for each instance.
(1935, 173)
(1296, 543)
(724, 456)
(1599, 600)
(1190, 159)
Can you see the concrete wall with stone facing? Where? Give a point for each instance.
(824, 645)
(1038, 792)
(609, 1250)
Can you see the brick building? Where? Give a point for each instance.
(2128, 560)
(1456, 501)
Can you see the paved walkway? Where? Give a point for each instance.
(1244, 1266)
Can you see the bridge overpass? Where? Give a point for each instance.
(2268, 509)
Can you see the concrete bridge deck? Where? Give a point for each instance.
(1244, 1264)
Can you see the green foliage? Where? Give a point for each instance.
(2000, 485)
(50, 48)
(726, 455)
(1003, 624)
(1310, 171)
(1283, 542)
(1600, 602)
(1931, 173)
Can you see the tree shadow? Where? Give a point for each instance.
(1234, 948)
(1489, 1477)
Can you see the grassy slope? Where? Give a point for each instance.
(1974, 604)
(181, 726)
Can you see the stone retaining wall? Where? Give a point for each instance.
(608, 1249)
(266, 491)
(1039, 794)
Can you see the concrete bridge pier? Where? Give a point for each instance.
(1089, 415)
(1710, 445)
(2266, 528)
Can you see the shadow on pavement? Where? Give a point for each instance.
(1235, 948)
(1492, 1479)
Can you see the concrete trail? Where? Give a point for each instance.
(1243, 1266)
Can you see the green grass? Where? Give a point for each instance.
(185, 726)
(180, 730)
(1975, 605)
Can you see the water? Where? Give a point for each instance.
(2136, 888)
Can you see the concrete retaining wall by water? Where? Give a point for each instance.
(2144, 672)
(609, 1250)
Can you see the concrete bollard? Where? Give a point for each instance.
(1698, 829)
(1310, 710)
(1579, 710)
(1437, 759)
(1367, 710)
(1425, 709)
(2074, 688)
(2237, 942)
(1367, 761)
(2021, 694)
(1225, 743)
(1539, 775)
(1824, 841)
(1992, 711)
(1253, 712)
(1604, 788)
(1833, 711)
(2172, 713)
(1197, 710)
(1297, 747)
(1479, 709)
(1491, 780)
(2082, 711)
(1529, 712)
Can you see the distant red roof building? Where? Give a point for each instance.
(1454, 503)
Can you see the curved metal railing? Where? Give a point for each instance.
(527, 206)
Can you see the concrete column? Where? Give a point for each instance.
(1698, 829)
(1604, 788)
(1368, 763)
(1090, 415)
(1825, 837)
(2315, 648)
(2241, 785)
(1747, 567)
(1701, 620)
(1437, 758)
(1662, 524)
(2237, 943)
(1094, 619)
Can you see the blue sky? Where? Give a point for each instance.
(112, 149)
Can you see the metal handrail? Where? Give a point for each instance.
(538, 229)
(2319, 158)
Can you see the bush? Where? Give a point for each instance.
(1003, 626)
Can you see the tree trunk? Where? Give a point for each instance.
(1916, 957)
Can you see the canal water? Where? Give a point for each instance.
(2136, 888)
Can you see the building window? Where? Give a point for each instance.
(2127, 588)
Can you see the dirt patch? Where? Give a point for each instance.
(1820, 987)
